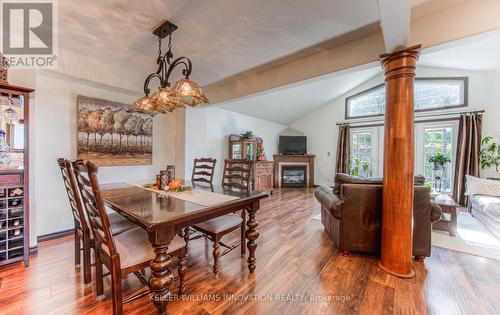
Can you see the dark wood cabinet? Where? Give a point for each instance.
(14, 179)
(264, 175)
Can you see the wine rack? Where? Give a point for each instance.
(14, 182)
(13, 245)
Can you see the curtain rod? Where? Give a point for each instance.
(381, 120)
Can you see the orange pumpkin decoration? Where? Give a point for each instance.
(174, 184)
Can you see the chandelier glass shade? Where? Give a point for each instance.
(143, 105)
(189, 92)
(167, 98)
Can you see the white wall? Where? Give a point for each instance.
(178, 137)
(207, 131)
(322, 132)
(53, 123)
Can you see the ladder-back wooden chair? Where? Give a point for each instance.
(125, 253)
(237, 174)
(83, 234)
(203, 171)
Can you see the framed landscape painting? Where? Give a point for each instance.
(109, 135)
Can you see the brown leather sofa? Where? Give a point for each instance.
(352, 214)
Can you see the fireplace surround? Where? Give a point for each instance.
(295, 166)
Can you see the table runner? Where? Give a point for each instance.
(198, 196)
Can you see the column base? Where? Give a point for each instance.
(406, 276)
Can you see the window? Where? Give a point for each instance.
(367, 145)
(432, 138)
(368, 103)
(430, 93)
(364, 152)
(435, 93)
(17, 136)
(438, 140)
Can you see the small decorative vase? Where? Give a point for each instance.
(4, 150)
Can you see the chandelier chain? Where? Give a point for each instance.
(159, 46)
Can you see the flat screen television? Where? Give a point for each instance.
(293, 145)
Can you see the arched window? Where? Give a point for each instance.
(430, 94)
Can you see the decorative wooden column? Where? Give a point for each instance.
(397, 213)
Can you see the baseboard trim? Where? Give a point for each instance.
(51, 236)
(34, 250)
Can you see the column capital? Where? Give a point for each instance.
(401, 62)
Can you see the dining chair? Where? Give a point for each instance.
(84, 240)
(203, 170)
(237, 174)
(122, 254)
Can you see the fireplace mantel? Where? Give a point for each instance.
(280, 160)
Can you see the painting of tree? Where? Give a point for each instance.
(109, 135)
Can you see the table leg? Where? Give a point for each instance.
(453, 222)
(252, 234)
(161, 275)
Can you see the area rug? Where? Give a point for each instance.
(472, 238)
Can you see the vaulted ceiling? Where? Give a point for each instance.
(478, 53)
(288, 104)
(222, 37)
(227, 37)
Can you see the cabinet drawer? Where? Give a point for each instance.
(264, 165)
(11, 179)
(263, 171)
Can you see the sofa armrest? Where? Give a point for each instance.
(436, 212)
(329, 200)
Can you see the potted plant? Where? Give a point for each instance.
(247, 134)
(489, 155)
(439, 160)
(356, 165)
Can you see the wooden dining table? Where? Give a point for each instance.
(163, 216)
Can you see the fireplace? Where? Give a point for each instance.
(293, 176)
(294, 169)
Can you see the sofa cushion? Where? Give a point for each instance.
(341, 179)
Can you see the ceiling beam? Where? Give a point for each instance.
(395, 23)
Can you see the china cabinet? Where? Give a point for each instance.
(14, 174)
(262, 176)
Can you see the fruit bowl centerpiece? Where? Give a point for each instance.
(173, 186)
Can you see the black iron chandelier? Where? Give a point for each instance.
(169, 97)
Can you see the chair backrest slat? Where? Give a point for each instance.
(237, 174)
(203, 170)
(86, 178)
(73, 193)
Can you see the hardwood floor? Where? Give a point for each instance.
(295, 258)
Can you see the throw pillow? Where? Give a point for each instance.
(481, 186)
